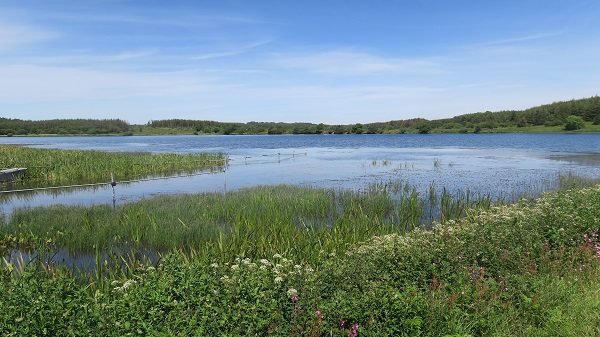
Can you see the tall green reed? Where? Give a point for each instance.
(49, 167)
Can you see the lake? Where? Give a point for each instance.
(495, 164)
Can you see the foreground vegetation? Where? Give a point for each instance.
(291, 261)
(581, 115)
(51, 167)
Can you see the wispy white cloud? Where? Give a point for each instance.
(234, 51)
(26, 83)
(214, 55)
(356, 63)
(129, 55)
(13, 36)
(519, 39)
(162, 18)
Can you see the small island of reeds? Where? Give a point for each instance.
(52, 167)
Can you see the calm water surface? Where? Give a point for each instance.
(496, 164)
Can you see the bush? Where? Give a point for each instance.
(574, 123)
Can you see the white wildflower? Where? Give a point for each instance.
(292, 291)
(278, 279)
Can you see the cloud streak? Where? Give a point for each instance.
(356, 63)
(16, 36)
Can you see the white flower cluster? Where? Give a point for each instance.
(278, 269)
(125, 285)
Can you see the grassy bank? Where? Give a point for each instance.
(51, 167)
(273, 268)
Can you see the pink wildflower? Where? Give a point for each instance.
(353, 330)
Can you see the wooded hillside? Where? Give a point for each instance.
(559, 116)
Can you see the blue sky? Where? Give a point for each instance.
(336, 62)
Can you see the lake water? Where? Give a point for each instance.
(496, 164)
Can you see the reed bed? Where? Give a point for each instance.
(51, 167)
(258, 221)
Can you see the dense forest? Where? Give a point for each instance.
(559, 116)
(10, 127)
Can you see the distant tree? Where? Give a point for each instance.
(320, 128)
(522, 122)
(574, 123)
(357, 128)
(424, 127)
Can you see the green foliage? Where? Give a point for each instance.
(529, 269)
(258, 221)
(574, 123)
(62, 126)
(544, 118)
(50, 167)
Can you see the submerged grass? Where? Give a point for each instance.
(525, 269)
(49, 167)
(259, 221)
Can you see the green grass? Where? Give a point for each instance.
(301, 261)
(258, 221)
(143, 130)
(589, 127)
(51, 167)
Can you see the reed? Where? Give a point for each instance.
(50, 167)
(259, 221)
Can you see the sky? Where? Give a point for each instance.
(326, 61)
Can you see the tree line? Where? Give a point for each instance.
(10, 127)
(570, 115)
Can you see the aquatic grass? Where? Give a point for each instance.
(258, 221)
(51, 167)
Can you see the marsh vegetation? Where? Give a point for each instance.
(52, 167)
(285, 260)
